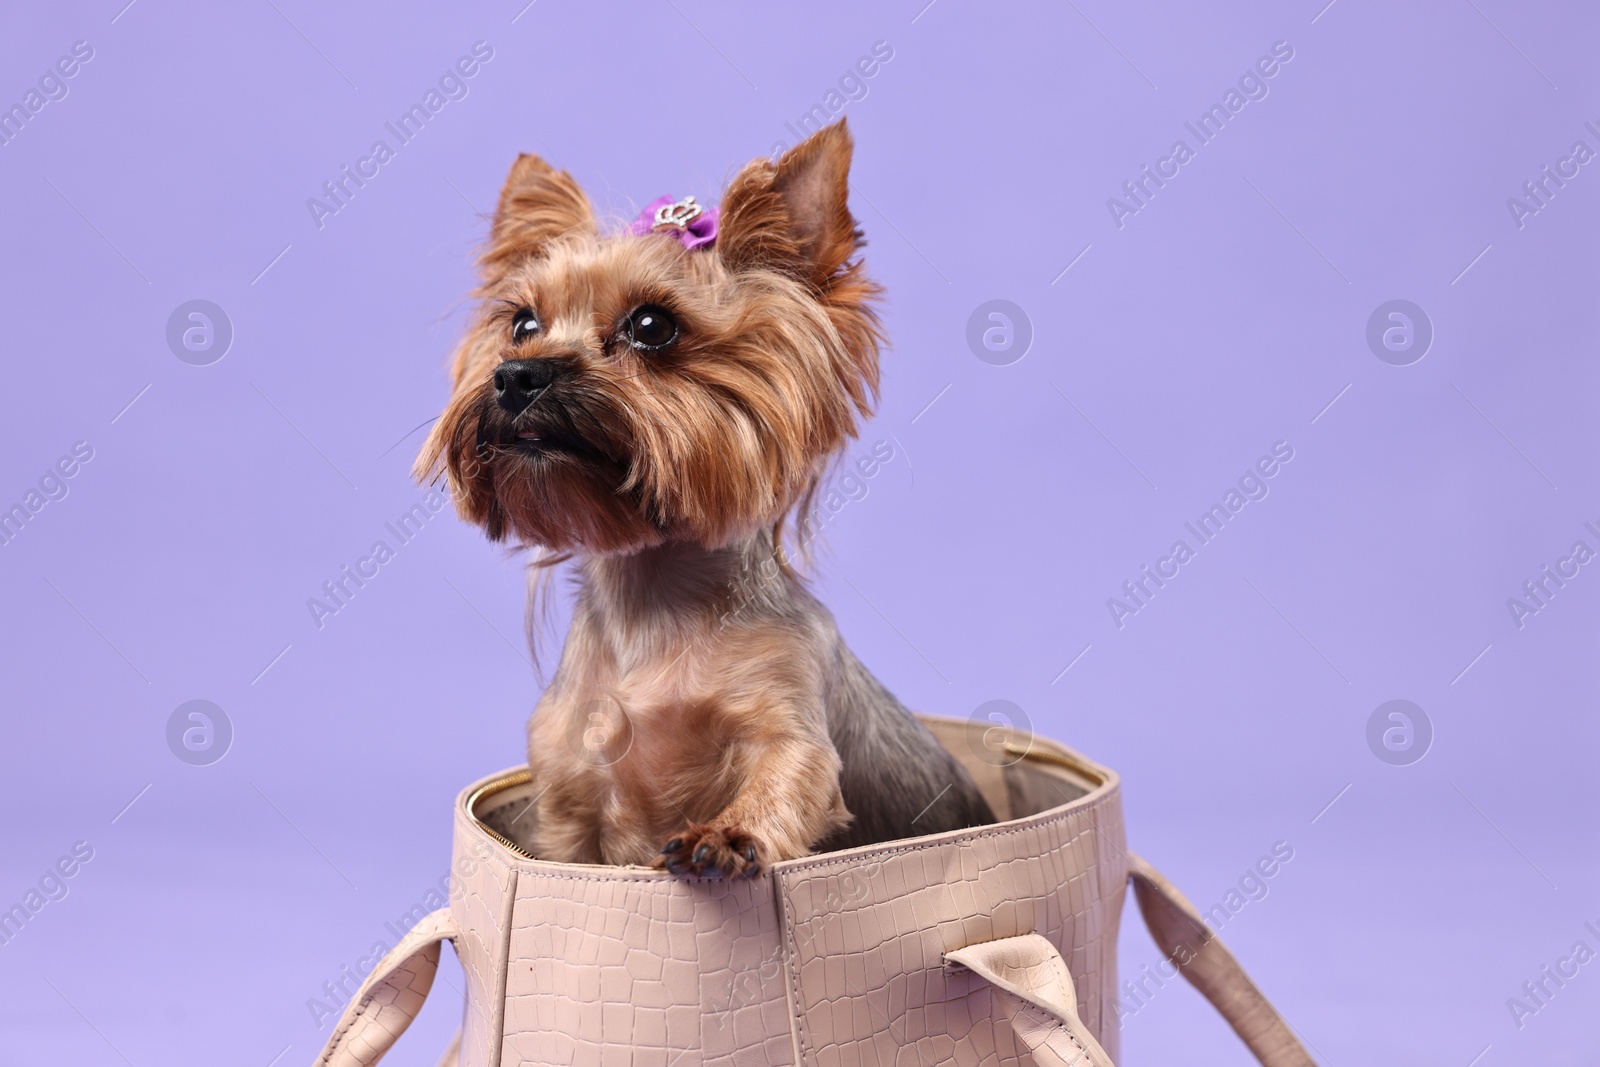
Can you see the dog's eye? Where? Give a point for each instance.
(651, 327)
(524, 325)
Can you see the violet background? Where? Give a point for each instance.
(1223, 317)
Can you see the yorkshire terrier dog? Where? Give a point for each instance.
(655, 404)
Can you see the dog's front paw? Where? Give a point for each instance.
(705, 851)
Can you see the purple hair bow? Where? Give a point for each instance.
(693, 224)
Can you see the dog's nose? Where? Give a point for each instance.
(518, 382)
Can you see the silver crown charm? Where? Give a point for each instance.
(678, 215)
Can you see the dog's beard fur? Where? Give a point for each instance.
(566, 491)
(665, 471)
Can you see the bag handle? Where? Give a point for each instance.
(390, 997)
(1034, 988)
(1206, 962)
(1036, 993)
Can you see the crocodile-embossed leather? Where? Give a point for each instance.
(1034, 987)
(1211, 968)
(836, 960)
(632, 966)
(484, 878)
(866, 953)
(390, 997)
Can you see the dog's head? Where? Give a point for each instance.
(619, 391)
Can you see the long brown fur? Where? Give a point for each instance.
(705, 716)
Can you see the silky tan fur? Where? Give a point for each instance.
(705, 716)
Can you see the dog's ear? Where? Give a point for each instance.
(793, 216)
(538, 205)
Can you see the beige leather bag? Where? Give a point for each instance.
(994, 945)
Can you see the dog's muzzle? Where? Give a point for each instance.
(519, 382)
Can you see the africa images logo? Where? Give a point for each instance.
(1253, 485)
(451, 85)
(1252, 86)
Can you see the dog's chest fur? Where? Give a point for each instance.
(681, 666)
(682, 669)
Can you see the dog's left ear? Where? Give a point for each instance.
(793, 216)
(538, 205)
